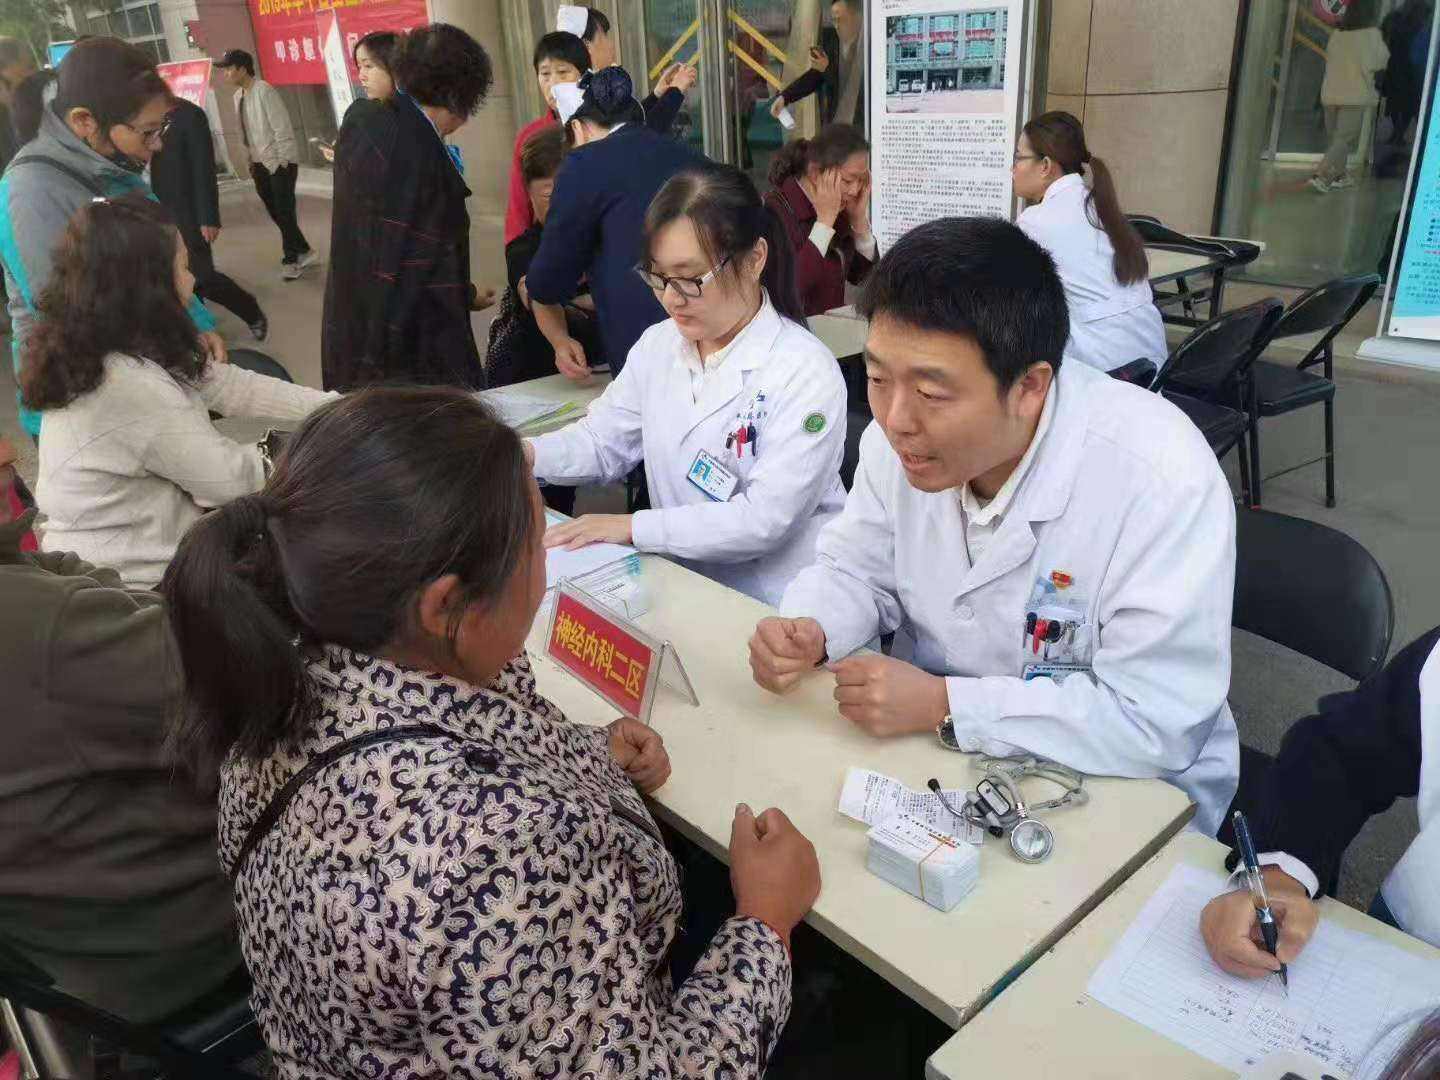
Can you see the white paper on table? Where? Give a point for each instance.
(1347, 989)
(571, 564)
(876, 799)
(518, 409)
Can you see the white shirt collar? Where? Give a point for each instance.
(689, 352)
(1064, 184)
(984, 513)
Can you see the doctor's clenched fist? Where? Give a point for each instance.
(885, 696)
(782, 650)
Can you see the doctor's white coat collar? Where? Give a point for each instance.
(984, 513)
(1068, 182)
(750, 349)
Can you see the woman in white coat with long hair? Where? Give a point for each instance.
(1100, 256)
(736, 409)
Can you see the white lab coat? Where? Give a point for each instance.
(1412, 887)
(789, 482)
(1125, 497)
(1110, 324)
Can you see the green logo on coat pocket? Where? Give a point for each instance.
(815, 423)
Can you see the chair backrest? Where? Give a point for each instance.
(1312, 589)
(856, 421)
(260, 363)
(1330, 307)
(1214, 354)
(1156, 233)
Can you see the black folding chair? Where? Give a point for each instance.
(1207, 377)
(204, 1043)
(857, 419)
(1279, 388)
(1222, 256)
(1315, 591)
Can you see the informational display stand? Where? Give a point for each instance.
(946, 80)
(1409, 330)
(188, 80)
(611, 655)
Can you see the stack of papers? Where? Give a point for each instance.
(931, 865)
(875, 799)
(572, 564)
(531, 415)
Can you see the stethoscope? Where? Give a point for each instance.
(997, 805)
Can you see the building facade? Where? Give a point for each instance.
(958, 50)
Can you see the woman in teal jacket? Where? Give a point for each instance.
(103, 116)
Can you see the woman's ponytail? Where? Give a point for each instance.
(234, 632)
(1130, 264)
(789, 162)
(779, 276)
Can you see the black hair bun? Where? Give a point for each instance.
(611, 90)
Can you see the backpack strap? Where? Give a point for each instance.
(59, 166)
(285, 795)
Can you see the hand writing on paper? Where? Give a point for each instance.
(783, 650)
(641, 753)
(773, 870)
(1232, 933)
(590, 529)
(885, 696)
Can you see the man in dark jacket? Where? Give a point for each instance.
(182, 173)
(109, 879)
(837, 69)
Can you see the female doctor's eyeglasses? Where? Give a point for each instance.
(688, 287)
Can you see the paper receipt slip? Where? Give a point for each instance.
(875, 799)
(923, 861)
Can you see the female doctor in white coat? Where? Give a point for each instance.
(736, 409)
(1100, 256)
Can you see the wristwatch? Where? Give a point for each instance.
(270, 448)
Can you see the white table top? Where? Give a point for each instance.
(743, 744)
(1164, 263)
(843, 336)
(1080, 1039)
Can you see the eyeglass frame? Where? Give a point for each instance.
(146, 136)
(698, 283)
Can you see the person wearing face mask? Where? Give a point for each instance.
(399, 294)
(597, 214)
(101, 118)
(1100, 256)
(1059, 545)
(821, 190)
(736, 409)
(592, 26)
(352, 640)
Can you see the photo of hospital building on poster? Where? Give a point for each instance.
(946, 61)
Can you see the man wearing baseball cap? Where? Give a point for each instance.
(269, 139)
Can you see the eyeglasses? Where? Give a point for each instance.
(688, 287)
(1028, 157)
(154, 136)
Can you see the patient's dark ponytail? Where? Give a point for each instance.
(377, 495)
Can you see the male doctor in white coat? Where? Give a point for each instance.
(1060, 545)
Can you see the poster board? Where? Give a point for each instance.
(946, 81)
(188, 80)
(289, 39)
(337, 69)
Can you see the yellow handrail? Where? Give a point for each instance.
(758, 67)
(670, 54)
(765, 43)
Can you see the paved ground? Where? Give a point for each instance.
(1388, 458)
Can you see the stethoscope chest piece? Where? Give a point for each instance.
(1032, 840)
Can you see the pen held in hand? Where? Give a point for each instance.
(1269, 931)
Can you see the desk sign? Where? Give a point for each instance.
(610, 655)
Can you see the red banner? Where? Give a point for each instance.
(287, 35)
(592, 647)
(187, 79)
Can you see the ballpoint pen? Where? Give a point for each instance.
(1268, 929)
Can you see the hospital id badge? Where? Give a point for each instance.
(715, 480)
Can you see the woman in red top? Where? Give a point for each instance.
(821, 191)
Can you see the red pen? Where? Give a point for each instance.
(1042, 627)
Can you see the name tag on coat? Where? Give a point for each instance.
(711, 477)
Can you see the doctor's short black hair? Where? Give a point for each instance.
(976, 277)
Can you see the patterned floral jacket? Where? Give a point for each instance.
(498, 904)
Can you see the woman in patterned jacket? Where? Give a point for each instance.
(436, 874)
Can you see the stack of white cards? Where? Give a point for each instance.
(927, 863)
